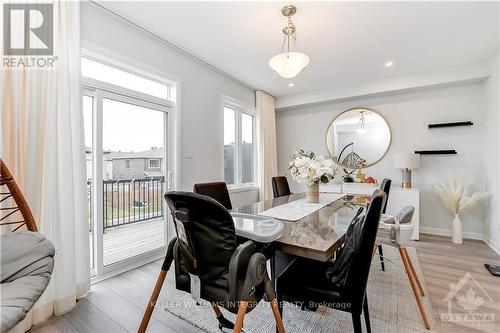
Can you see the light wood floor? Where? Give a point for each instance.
(117, 304)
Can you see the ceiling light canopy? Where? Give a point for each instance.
(361, 129)
(289, 64)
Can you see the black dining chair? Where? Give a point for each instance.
(386, 187)
(230, 275)
(342, 287)
(215, 190)
(280, 186)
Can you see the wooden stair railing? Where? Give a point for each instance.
(9, 189)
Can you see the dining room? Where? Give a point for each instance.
(250, 166)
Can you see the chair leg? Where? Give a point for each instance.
(415, 289)
(223, 322)
(356, 323)
(242, 310)
(367, 315)
(374, 250)
(415, 276)
(381, 253)
(152, 301)
(277, 316)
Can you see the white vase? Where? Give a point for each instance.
(456, 236)
(312, 194)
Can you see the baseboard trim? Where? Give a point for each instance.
(447, 232)
(467, 234)
(495, 246)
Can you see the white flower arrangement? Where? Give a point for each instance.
(309, 168)
(456, 194)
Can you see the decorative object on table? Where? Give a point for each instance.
(454, 124)
(360, 176)
(370, 180)
(311, 169)
(347, 177)
(289, 64)
(407, 162)
(436, 152)
(358, 138)
(352, 159)
(457, 196)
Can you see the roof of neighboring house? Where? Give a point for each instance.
(151, 153)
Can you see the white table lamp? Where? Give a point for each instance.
(407, 162)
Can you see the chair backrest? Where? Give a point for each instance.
(386, 187)
(9, 189)
(357, 277)
(280, 186)
(397, 231)
(205, 233)
(215, 190)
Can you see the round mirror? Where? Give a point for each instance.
(358, 138)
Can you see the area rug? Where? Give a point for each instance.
(391, 303)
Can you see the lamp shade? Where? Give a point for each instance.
(407, 161)
(289, 64)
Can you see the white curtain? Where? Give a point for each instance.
(42, 142)
(268, 162)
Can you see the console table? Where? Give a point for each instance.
(398, 198)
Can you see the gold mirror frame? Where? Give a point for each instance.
(349, 110)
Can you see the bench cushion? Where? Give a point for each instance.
(27, 259)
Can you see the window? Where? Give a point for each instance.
(126, 114)
(109, 74)
(239, 144)
(154, 163)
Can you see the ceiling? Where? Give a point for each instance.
(347, 42)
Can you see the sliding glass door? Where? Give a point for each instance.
(127, 167)
(134, 166)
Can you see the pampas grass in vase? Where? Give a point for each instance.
(457, 196)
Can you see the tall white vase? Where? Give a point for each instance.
(456, 236)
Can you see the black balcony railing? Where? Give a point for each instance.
(130, 201)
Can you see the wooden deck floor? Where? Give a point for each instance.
(132, 239)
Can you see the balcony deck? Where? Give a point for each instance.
(132, 239)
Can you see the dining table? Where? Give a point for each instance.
(316, 236)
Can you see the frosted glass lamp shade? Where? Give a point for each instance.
(289, 64)
(407, 161)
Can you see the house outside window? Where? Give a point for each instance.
(239, 144)
(127, 164)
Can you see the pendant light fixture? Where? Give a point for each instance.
(289, 64)
(361, 125)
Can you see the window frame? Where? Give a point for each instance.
(154, 159)
(240, 108)
(99, 91)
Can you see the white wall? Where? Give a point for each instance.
(408, 114)
(492, 98)
(201, 91)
